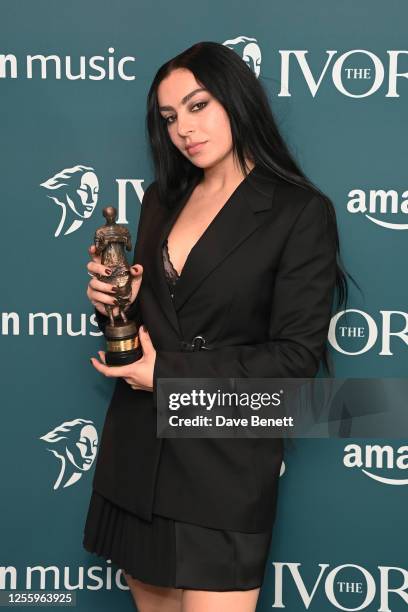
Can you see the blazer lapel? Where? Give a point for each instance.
(233, 224)
(154, 267)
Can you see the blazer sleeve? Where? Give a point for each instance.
(300, 312)
(133, 312)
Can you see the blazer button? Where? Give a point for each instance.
(198, 342)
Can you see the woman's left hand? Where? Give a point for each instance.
(138, 374)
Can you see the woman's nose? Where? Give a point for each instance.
(184, 126)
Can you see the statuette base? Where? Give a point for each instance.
(122, 344)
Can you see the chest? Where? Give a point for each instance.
(190, 226)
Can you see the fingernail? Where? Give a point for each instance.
(91, 360)
(114, 288)
(116, 302)
(108, 272)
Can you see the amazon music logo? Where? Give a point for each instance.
(56, 67)
(385, 464)
(385, 208)
(58, 577)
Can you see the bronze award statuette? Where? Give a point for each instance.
(111, 239)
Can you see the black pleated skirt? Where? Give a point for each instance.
(171, 553)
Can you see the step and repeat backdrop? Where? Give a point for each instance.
(74, 78)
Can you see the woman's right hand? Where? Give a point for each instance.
(101, 293)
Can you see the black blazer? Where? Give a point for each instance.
(258, 286)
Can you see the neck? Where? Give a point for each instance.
(223, 176)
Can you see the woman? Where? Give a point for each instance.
(237, 251)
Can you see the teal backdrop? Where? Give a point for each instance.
(337, 77)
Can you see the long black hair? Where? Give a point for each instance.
(255, 134)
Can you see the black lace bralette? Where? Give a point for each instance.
(170, 272)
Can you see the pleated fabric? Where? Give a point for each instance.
(171, 553)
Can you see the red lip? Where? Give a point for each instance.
(194, 144)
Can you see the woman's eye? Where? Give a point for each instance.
(170, 118)
(198, 104)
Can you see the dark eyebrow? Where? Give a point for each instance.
(185, 99)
